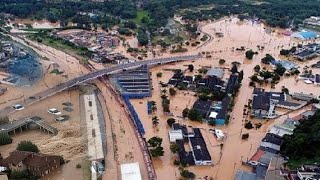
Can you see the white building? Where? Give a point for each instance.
(130, 171)
(175, 135)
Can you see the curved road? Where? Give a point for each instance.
(93, 75)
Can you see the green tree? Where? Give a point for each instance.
(155, 121)
(27, 146)
(159, 74)
(194, 115)
(5, 139)
(267, 59)
(248, 125)
(16, 174)
(280, 69)
(172, 91)
(185, 112)
(142, 37)
(249, 54)
(171, 121)
(130, 25)
(155, 144)
(234, 69)
(245, 136)
(155, 141)
(190, 67)
(222, 61)
(257, 68)
(187, 174)
(284, 52)
(174, 148)
(156, 152)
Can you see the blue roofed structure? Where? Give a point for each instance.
(305, 35)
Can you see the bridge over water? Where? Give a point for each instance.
(95, 74)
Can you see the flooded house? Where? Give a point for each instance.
(36, 163)
(198, 154)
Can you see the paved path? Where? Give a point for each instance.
(93, 75)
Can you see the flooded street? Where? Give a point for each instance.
(235, 35)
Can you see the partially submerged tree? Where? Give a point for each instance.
(174, 148)
(185, 112)
(172, 91)
(171, 121)
(155, 144)
(155, 121)
(27, 146)
(5, 139)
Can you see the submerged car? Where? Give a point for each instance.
(54, 111)
(18, 107)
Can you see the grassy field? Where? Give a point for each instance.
(83, 54)
(140, 15)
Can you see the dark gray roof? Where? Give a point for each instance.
(200, 150)
(202, 107)
(261, 102)
(261, 171)
(272, 138)
(224, 108)
(232, 82)
(317, 79)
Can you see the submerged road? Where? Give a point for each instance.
(95, 74)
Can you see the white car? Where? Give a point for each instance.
(54, 111)
(18, 107)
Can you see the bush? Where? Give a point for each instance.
(249, 54)
(187, 174)
(78, 166)
(176, 162)
(27, 146)
(15, 174)
(248, 125)
(172, 91)
(171, 121)
(185, 112)
(159, 74)
(222, 61)
(245, 136)
(5, 139)
(194, 115)
(174, 148)
(212, 122)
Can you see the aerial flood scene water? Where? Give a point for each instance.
(135, 90)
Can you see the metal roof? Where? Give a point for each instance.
(130, 171)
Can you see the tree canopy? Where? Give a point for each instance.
(303, 146)
(27, 146)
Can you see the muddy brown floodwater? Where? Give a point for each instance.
(236, 34)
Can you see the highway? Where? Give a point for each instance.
(93, 75)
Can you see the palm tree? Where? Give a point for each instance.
(153, 106)
(155, 121)
(164, 91)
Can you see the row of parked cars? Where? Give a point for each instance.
(53, 111)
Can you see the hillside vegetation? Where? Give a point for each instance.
(303, 146)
